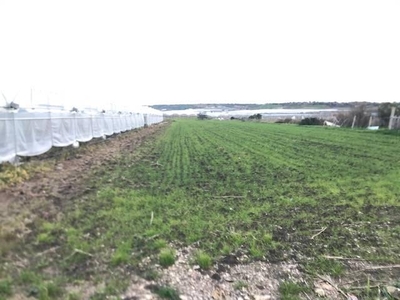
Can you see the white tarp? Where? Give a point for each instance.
(33, 132)
(7, 137)
(62, 128)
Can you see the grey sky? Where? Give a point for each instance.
(157, 52)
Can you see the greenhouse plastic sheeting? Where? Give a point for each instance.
(33, 135)
(63, 129)
(30, 133)
(7, 137)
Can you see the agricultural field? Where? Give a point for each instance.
(214, 204)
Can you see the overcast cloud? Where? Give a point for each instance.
(158, 52)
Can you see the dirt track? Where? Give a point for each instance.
(44, 194)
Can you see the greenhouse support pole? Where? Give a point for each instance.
(15, 138)
(51, 128)
(354, 122)
(392, 117)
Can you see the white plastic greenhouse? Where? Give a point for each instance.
(30, 132)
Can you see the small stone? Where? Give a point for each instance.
(230, 260)
(221, 269)
(393, 291)
(218, 294)
(196, 267)
(327, 287)
(216, 276)
(228, 278)
(262, 297)
(260, 287)
(320, 292)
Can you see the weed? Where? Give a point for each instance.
(115, 286)
(44, 238)
(10, 174)
(256, 251)
(203, 260)
(240, 285)
(226, 249)
(121, 255)
(98, 296)
(7, 242)
(151, 275)
(167, 257)
(268, 241)
(5, 288)
(46, 291)
(48, 227)
(159, 244)
(29, 277)
(167, 292)
(74, 238)
(110, 290)
(53, 290)
(74, 296)
(290, 290)
(325, 266)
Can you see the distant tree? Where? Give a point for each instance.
(311, 121)
(344, 119)
(384, 111)
(202, 116)
(286, 120)
(255, 117)
(361, 113)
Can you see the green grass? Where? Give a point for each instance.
(320, 265)
(231, 184)
(53, 290)
(167, 257)
(239, 285)
(167, 292)
(266, 189)
(150, 274)
(203, 260)
(5, 288)
(121, 255)
(29, 277)
(290, 290)
(73, 296)
(45, 238)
